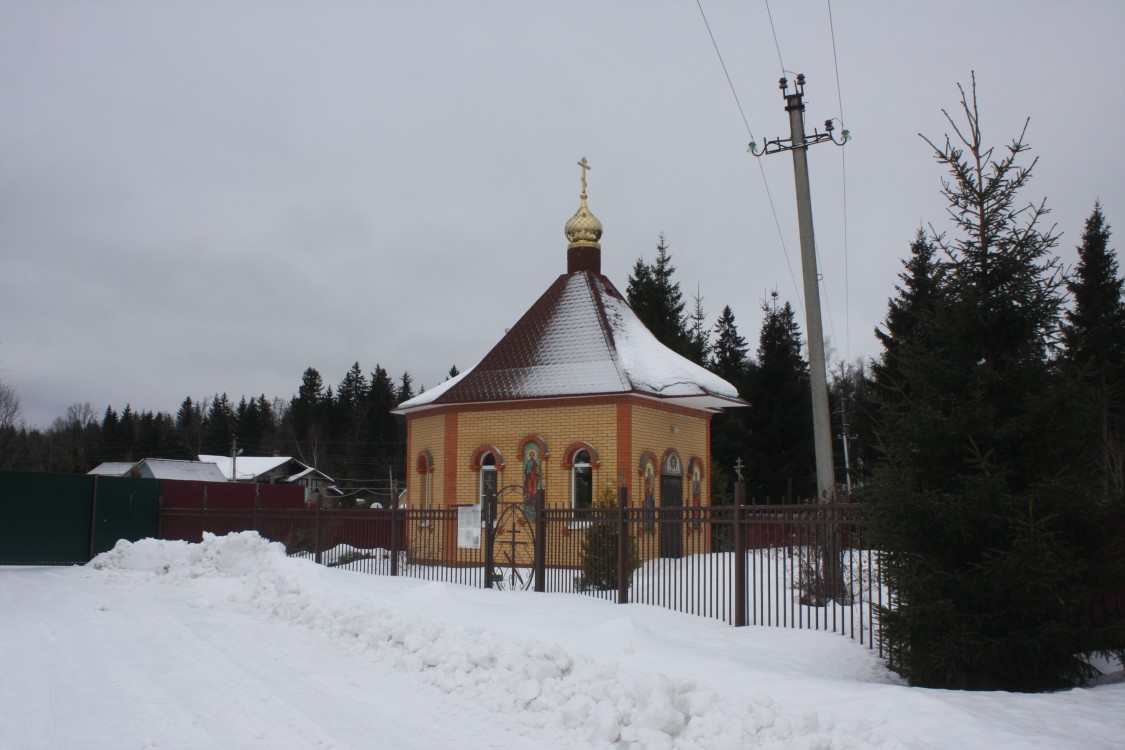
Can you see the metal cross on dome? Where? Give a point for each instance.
(585, 166)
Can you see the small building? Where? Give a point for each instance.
(113, 469)
(577, 398)
(161, 468)
(273, 470)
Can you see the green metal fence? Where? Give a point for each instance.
(65, 519)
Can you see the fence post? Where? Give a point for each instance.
(540, 572)
(488, 511)
(316, 535)
(257, 504)
(623, 572)
(396, 542)
(93, 518)
(738, 534)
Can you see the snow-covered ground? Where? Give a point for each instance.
(229, 644)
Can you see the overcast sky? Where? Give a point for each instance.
(199, 198)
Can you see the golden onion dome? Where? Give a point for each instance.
(583, 229)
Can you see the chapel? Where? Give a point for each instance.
(577, 398)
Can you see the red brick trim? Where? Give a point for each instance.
(568, 455)
(478, 454)
(664, 460)
(647, 456)
(538, 440)
(450, 458)
(624, 439)
(553, 401)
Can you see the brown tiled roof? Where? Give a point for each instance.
(580, 338)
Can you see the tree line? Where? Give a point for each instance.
(346, 431)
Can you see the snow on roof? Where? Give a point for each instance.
(112, 469)
(171, 468)
(252, 467)
(581, 338)
(248, 467)
(651, 366)
(427, 396)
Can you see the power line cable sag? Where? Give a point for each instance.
(761, 169)
(843, 190)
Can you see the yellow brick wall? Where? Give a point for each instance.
(656, 429)
(653, 427)
(558, 426)
(426, 432)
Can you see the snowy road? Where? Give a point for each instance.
(229, 644)
(87, 665)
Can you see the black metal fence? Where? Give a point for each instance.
(797, 566)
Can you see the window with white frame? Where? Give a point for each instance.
(581, 480)
(487, 477)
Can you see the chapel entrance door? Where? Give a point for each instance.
(671, 516)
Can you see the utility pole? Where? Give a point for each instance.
(798, 144)
(235, 452)
(845, 437)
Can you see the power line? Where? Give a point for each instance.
(761, 169)
(843, 191)
(725, 72)
(775, 43)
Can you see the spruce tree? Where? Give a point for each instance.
(1094, 337)
(656, 299)
(307, 416)
(728, 360)
(907, 314)
(189, 428)
(349, 424)
(110, 438)
(991, 541)
(728, 354)
(385, 435)
(698, 341)
(639, 290)
(219, 425)
(781, 463)
(405, 388)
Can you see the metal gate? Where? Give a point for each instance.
(510, 539)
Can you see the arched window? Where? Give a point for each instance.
(581, 480)
(487, 481)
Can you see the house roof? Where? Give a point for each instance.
(251, 467)
(581, 338)
(248, 467)
(161, 468)
(113, 468)
(170, 468)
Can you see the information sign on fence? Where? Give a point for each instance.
(468, 527)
